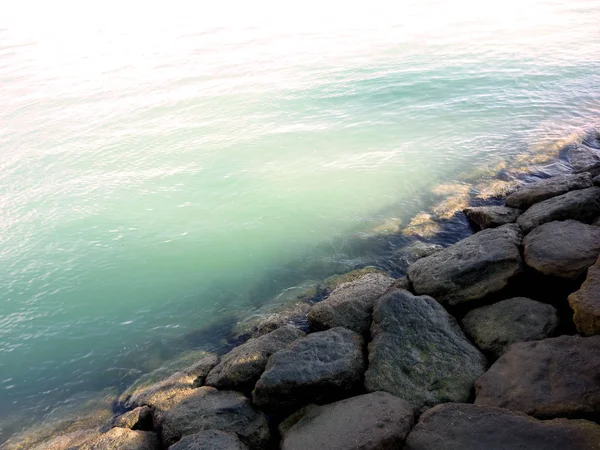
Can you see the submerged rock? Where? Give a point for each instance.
(351, 304)
(122, 439)
(367, 422)
(326, 365)
(415, 251)
(562, 249)
(139, 418)
(539, 191)
(419, 353)
(495, 327)
(471, 269)
(271, 318)
(585, 303)
(491, 216)
(556, 377)
(456, 426)
(582, 156)
(210, 440)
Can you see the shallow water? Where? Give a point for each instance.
(165, 170)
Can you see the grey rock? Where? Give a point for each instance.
(456, 426)
(415, 251)
(272, 317)
(351, 304)
(323, 366)
(123, 439)
(210, 440)
(471, 269)
(539, 191)
(596, 180)
(582, 205)
(139, 418)
(493, 328)
(592, 169)
(582, 156)
(562, 249)
(491, 216)
(367, 422)
(241, 368)
(419, 353)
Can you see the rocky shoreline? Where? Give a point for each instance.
(490, 343)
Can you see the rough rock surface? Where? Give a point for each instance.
(272, 317)
(582, 205)
(493, 328)
(596, 180)
(241, 368)
(206, 408)
(123, 439)
(456, 426)
(491, 216)
(68, 441)
(582, 156)
(556, 377)
(419, 353)
(322, 366)
(351, 304)
(210, 440)
(415, 251)
(367, 422)
(539, 191)
(562, 249)
(471, 269)
(585, 303)
(139, 418)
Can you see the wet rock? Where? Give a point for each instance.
(210, 440)
(419, 353)
(582, 205)
(596, 180)
(539, 191)
(456, 426)
(471, 269)
(556, 377)
(272, 318)
(582, 156)
(593, 170)
(491, 216)
(123, 439)
(241, 368)
(493, 328)
(206, 408)
(68, 441)
(351, 304)
(562, 249)
(323, 366)
(585, 303)
(417, 250)
(400, 283)
(367, 422)
(139, 418)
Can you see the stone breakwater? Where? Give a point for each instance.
(490, 343)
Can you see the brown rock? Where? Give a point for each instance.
(139, 418)
(586, 303)
(123, 439)
(210, 440)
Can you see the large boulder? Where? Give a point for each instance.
(491, 216)
(326, 365)
(205, 409)
(562, 249)
(582, 156)
(539, 191)
(419, 352)
(351, 304)
(241, 368)
(585, 303)
(367, 422)
(582, 205)
(556, 377)
(210, 440)
(270, 317)
(471, 269)
(123, 439)
(493, 328)
(456, 426)
(139, 418)
(69, 441)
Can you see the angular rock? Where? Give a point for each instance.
(556, 377)
(123, 439)
(592, 169)
(419, 353)
(139, 418)
(471, 269)
(582, 156)
(415, 251)
(323, 366)
(585, 303)
(367, 422)
(539, 191)
(351, 304)
(205, 409)
(456, 426)
(562, 249)
(582, 205)
(492, 216)
(493, 328)
(272, 317)
(210, 440)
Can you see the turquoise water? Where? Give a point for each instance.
(165, 169)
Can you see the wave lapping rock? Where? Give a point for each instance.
(539, 191)
(492, 216)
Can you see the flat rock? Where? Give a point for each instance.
(351, 304)
(419, 353)
(471, 269)
(206, 408)
(68, 441)
(491, 216)
(556, 377)
(241, 368)
(562, 249)
(367, 422)
(323, 366)
(139, 418)
(582, 205)
(123, 439)
(456, 426)
(539, 191)
(585, 303)
(493, 328)
(582, 156)
(210, 440)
